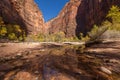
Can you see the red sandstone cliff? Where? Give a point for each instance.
(22, 12)
(66, 20)
(79, 16)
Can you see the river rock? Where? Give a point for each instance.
(114, 61)
(19, 54)
(105, 70)
(24, 76)
(36, 72)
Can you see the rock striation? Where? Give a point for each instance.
(79, 16)
(66, 19)
(22, 12)
(76, 16)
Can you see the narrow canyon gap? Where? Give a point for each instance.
(50, 9)
(72, 19)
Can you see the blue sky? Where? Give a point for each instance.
(50, 8)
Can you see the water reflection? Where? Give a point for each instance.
(54, 63)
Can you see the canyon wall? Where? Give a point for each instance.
(22, 12)
(66, 19)
(76, 16)
(79, 16)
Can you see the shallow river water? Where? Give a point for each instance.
(53, 62)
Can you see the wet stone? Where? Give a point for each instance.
(27, 60)
(29, 52)
(36, 72)
(105, 70)
(13, 57)
(37, 78)
(24, 76)
(19, 54)
(114, 61)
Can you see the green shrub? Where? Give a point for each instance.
(3, 31)
(11, 31)
(107, 29)
(93, 31)
(17, 28)
(12, 36)
(82, 38)
(56, 37)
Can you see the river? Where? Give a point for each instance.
(60, 62)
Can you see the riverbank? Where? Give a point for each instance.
(62, 61)
(7, 49)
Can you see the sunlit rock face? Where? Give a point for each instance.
(65, 21)
(76, 16)
(79, 16)
(22, 12)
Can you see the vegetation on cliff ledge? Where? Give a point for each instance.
(56, 37)
(109, 29)
(11, 31)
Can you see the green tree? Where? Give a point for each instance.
(97, 31)
(114, 15)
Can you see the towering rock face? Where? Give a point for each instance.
(92, 12)
(22, 12)
(66, 20)
(79, 16)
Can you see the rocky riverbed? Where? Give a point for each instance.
(41, 61)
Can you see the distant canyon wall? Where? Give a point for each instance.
(79, 16)
(23, 12)
(76, 16)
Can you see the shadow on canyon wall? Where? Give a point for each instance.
(91, 12)
(11, 15)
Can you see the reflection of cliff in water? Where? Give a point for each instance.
(58, 63)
